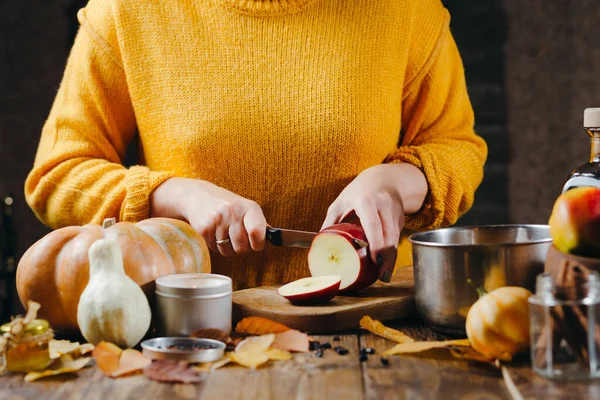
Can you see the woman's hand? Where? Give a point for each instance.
(216, 213)
(380, 197)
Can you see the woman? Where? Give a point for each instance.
(292, 113)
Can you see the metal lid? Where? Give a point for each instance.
(35, 327)
(183, 349)
(591, 117)
(193, 285)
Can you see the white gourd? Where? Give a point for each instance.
(112, 306)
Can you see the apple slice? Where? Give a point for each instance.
(311, 290)
(335, 252)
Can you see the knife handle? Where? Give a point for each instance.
(274, 236)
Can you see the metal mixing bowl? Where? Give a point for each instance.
(490, 255)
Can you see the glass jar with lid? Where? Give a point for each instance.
(30, 350)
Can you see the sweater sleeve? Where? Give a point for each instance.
(438, 128)
(78, 176)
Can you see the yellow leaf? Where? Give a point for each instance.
(278, 354)
(60, 347)
(470, 354)
(62, 365)
(255, 344)
(250, 360)
(211, 366)
(378, 328)
(416, 347)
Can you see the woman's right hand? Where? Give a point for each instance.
(216, 213)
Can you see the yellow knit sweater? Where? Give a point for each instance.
(280, 101)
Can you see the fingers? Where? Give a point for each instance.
(382, 219)
(392, 220)
(234, 228)
(222, 233)
(239, 236)
(256, 226)
(366, 211)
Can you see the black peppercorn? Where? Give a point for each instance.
(340, 350)
(385, 362)
(319, 353)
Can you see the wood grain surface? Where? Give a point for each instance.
(382, 301)
(433, 374)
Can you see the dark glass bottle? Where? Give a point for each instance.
(588, 174)
(8, 259)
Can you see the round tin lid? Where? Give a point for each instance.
(193, 285)
(183, 349)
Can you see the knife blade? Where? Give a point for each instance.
(302, 239)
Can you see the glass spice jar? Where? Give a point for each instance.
(29, 351)
(565, 333)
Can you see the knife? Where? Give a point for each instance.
(291, 238)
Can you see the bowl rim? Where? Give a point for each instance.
(413, 238)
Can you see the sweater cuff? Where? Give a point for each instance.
(431, 214)
(140, 181)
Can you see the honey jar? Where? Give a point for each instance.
(29, 351)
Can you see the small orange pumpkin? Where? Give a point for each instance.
(54, 271)
(497, 324)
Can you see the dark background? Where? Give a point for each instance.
(530, 73)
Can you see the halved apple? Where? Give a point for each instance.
(312, 290)
(334, 251)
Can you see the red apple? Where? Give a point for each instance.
(335, 251)
(311, 290)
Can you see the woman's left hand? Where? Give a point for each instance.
(380, 196)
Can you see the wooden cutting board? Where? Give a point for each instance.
(381, 301)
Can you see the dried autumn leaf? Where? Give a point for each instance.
(292, 340)
(211, 333)
(378, 328)
(130, 362)
(63, 365)
(251, 352)
(171, 371)
(249, 360)
(255, 344)
(107, 357)
(259, 326)
(83, 349)
(278, 354)
(469, 353)
(211, 366)
(57, 348)
(416, 347)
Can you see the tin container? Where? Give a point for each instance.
(183, 349)
(188, 302)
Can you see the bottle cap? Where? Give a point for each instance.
(591, 118)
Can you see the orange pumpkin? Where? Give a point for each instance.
(55, 270)
(498, 323)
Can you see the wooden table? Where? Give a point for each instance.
(434, 374)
